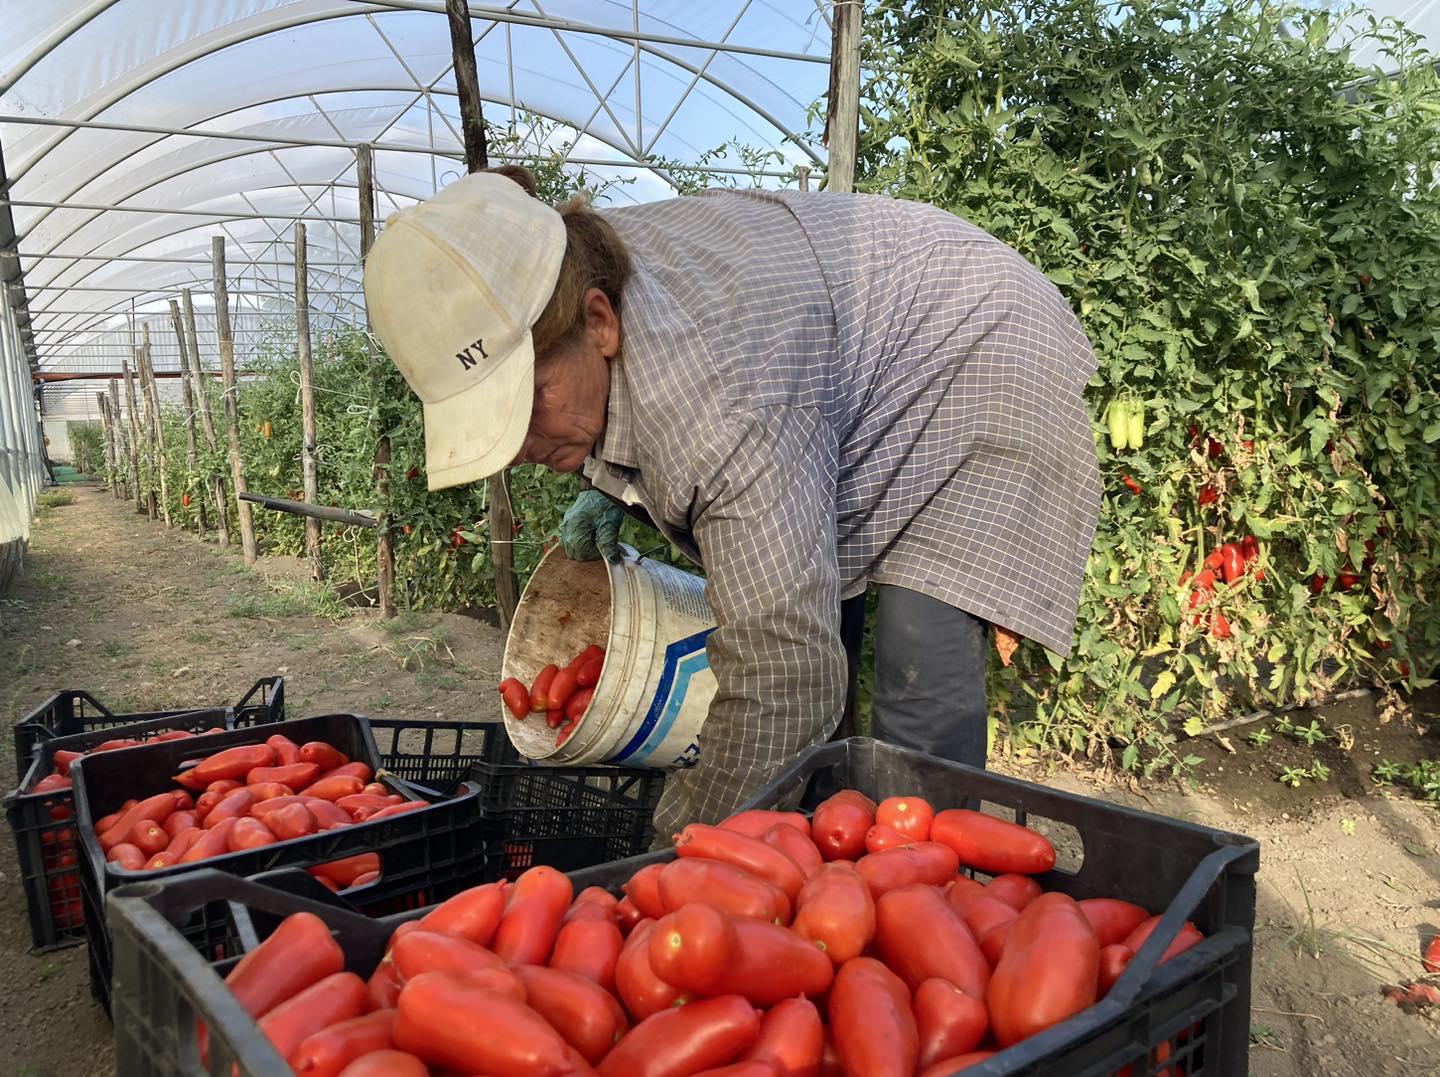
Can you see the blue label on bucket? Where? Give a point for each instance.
(683, 659)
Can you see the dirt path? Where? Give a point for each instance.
(146, 619)
(1349, 884)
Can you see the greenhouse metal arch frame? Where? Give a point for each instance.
(127, 101)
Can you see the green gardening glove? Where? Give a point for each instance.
(590, 528)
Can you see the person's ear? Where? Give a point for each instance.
(602, 323)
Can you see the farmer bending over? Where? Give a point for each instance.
(809, 394)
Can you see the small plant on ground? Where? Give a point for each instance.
(1423, 777)
(1261, 737)
(53, 499)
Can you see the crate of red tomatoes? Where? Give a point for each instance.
(308, 793)
(41, 811)
(926, 918)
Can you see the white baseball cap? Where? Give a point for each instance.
(453, 286)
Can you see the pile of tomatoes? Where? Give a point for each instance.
(774, 945)
(562, 695)
(58, 856)
(251, 796)
(1231, 562)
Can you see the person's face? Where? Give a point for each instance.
(572, 390)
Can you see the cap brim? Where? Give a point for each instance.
(478, 432)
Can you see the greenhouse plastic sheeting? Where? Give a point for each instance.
(345, 71)
(21, 470)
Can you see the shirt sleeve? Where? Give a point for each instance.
(766, 531)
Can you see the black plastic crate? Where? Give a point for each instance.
(435, 753)
(566, 817)
(66, 714)
(42, 825)
(174, 943)
(425, 855)
(1192, 1012)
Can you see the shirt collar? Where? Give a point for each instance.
(617, 443)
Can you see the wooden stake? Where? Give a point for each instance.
(134, 436)
(117, 427)
(842, 116)
(147, 435)
(472, 125)
(107, 440)
(202, 401)
(157, 424)
(309, 465)
(232, 408)
(802, 177)
(187, 401)
(385, 538)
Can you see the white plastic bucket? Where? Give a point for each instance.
(656, 685)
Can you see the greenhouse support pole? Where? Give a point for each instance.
(117, 427)
(147, 433)
(385, 537)
(308, 447)
(477, 157)
(109, 443)
(842, 116)
(187, 401)
(232, 394)
(207, 424)
(134, 436)
(157, 425)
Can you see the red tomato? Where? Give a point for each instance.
(1017, 891)
(1114, 960)
(928, 862)
(231, 763)
(589, 947)
(213, 842)
(290, 821)
(1047, 972)
(994, 846)
(797, 846)
(437, 1022)
(639, 988)
(684, 1041)
(921, 937)
(536, 905)
(422, 951)
(250, 834)
(347, 870)
(910, 816)
(723, 886)
(584, 1013)
(578, 703)
(473, 915)
(588, 675)
(235, 804)
(126, 856)
(881, 837)
(791, 1040)
(749, 854)
(701, 949)
(643, 889)
(1185, 938)
(386, 1064)
(540, 690)
(562, 688)
(326, 1053)
(1430, 962)
(1112, 918)
(298, 953)
(756, 822)
(949, 1021)
(286, 750)
(836, 911)
(627, 915)
(332, 789)
(149, 838)
(515, 696)
(840, 824)
(871, 1021)
(591, 652)
(948, 1066)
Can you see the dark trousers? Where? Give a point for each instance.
(930, 662)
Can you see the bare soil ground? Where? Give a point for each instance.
(146, 619)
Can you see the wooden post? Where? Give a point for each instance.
(231, 392)
(147, 435)
(118, 428)
(157, 424)
(202, 401)
(310, 469)
(187, 401)
(134, 436)
(842, 116)
(385, 538)
(802, 177)
(109, 443)
(472, 125)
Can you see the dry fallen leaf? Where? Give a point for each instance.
(1005, 643)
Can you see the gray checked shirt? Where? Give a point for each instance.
(817, 392)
